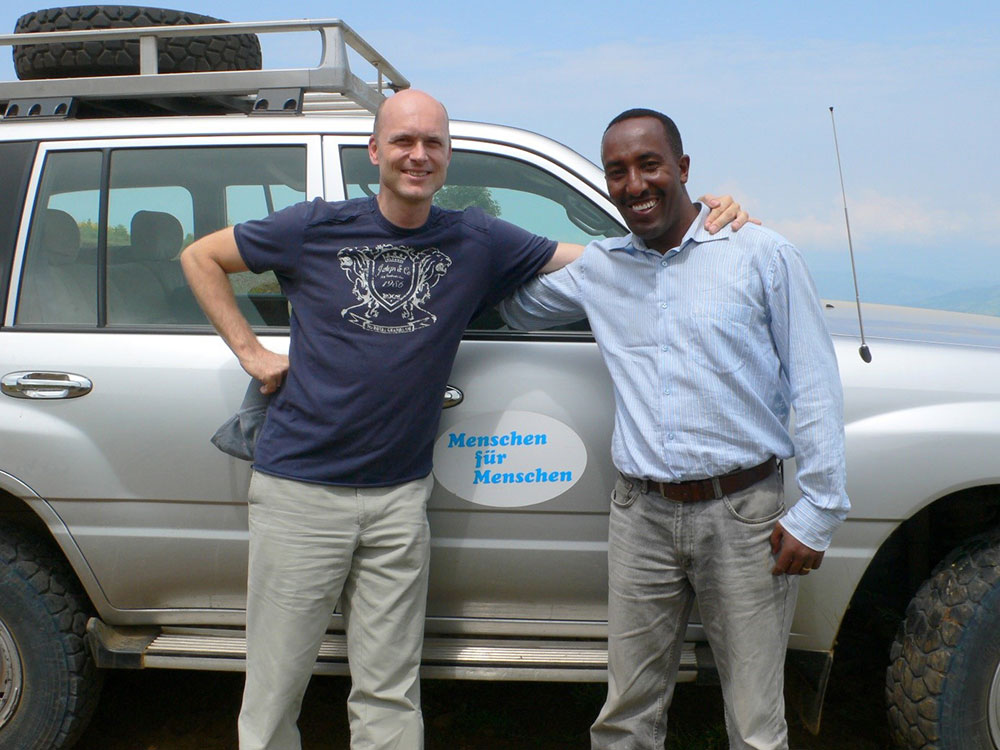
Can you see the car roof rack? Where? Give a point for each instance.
(331, 86)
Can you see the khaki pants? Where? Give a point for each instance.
(311, 544)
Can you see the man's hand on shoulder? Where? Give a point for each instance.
(267, 366)
(794, 558)
(724, 211)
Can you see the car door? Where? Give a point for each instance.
(99, 305)
(522, 461)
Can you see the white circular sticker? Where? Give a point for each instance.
(509, 459)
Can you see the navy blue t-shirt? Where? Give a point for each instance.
(377, 315)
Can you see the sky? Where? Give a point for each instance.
(915, 87)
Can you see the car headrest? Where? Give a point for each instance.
(59, 238)
(155, 236)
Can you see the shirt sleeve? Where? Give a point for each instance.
(517, 257)
(805, 349)
(274, 242)
(547, 300)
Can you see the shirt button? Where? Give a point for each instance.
(663, 305)
(666, 391)
(670, 436)
(663, 262)
(665, 348)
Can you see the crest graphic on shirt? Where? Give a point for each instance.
(392, 283)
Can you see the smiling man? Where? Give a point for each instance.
(381, 291)
(710, 340)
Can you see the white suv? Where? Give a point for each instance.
(120, 522)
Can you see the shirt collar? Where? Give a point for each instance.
(696, 233)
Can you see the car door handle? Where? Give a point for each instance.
(45, 385)
(452, 397)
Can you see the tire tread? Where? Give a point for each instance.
(176, 55)
(46, 572)
(929, 638)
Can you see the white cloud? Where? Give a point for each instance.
(880, 220)
(898, 215)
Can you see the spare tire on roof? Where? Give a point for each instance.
(120, 57)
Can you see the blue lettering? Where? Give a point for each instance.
(462, 440)
(539, 475)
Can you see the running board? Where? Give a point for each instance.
(467, 658)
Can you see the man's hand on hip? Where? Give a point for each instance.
(794, 558)
(267, 366)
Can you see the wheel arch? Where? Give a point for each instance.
(908, 555)
(21, 507)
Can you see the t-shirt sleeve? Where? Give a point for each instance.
(518, 256)
(274, 242)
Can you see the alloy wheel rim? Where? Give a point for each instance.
(11, 678)
(993, 708)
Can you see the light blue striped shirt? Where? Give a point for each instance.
(709, 346)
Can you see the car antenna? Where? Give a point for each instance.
(863, 350)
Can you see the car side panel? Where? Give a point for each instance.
(158, 512)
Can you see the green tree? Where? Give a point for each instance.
(462, 196)
(118, 236)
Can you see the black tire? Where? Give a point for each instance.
(943, 681)
(49, 682)
(186, 54)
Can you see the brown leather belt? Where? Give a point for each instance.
(709, 489)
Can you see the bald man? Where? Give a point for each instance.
(342, 467)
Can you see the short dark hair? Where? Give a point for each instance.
(669, 128)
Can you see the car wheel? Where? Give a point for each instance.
(48, 682)
(176, 55)
(943, 681)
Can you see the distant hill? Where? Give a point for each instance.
(899, 287)
(982, 300)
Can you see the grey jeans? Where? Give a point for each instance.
(660, 555)
(311, 544)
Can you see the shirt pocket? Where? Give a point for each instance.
(720, 336)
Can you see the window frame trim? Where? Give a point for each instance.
(495, 148)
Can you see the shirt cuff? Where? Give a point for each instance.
(812, 526)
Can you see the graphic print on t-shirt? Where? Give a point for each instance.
(392, 283)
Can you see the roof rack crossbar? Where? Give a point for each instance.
(332, 75)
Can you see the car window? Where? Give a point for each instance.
(156, 201)
(59, 286)
(245, 202)
(507, 188)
